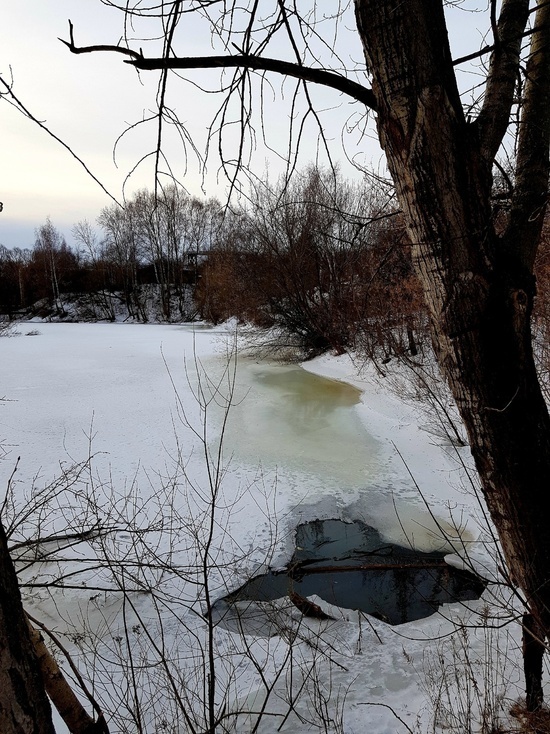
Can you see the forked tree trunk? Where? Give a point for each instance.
(478, 285)
(24, 707)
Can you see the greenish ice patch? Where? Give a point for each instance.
(288, 417)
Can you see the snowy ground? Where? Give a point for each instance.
(149, 403)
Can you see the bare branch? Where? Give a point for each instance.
(246, 61)
(102, 47)
(10, 96)
(531, 189)
(493, 119)
(261, 63)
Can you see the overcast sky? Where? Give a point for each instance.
(89, 100)
(85, 100)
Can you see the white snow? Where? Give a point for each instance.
(127, 394)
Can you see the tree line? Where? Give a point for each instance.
(324, 262)
(155, 238)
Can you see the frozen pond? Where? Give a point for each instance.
(298, 447)
(109, 389)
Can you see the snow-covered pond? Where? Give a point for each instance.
(300, 443)
(113, 385)
(114, 390)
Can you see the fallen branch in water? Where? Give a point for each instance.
(307, 607)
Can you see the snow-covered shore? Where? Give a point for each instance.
(128, 395)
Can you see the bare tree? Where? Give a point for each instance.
(477, 276)
(322, 262)
(52, 256)
(13, 278)
(172, 228)
(121, 248)
(96, 269)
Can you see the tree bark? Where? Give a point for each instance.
(533, 652)
(479, 286)
(24, 707)
(70, 709)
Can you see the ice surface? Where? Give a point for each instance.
(295, 449)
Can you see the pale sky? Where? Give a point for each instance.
(89, 100)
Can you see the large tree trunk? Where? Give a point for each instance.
(478, 285)
(24, 707)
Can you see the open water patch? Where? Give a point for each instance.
(350, 565)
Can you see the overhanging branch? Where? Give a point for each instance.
(245, 61)
(257, 63)
(9, 95)
(261, 63)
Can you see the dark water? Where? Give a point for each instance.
(349, 565)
